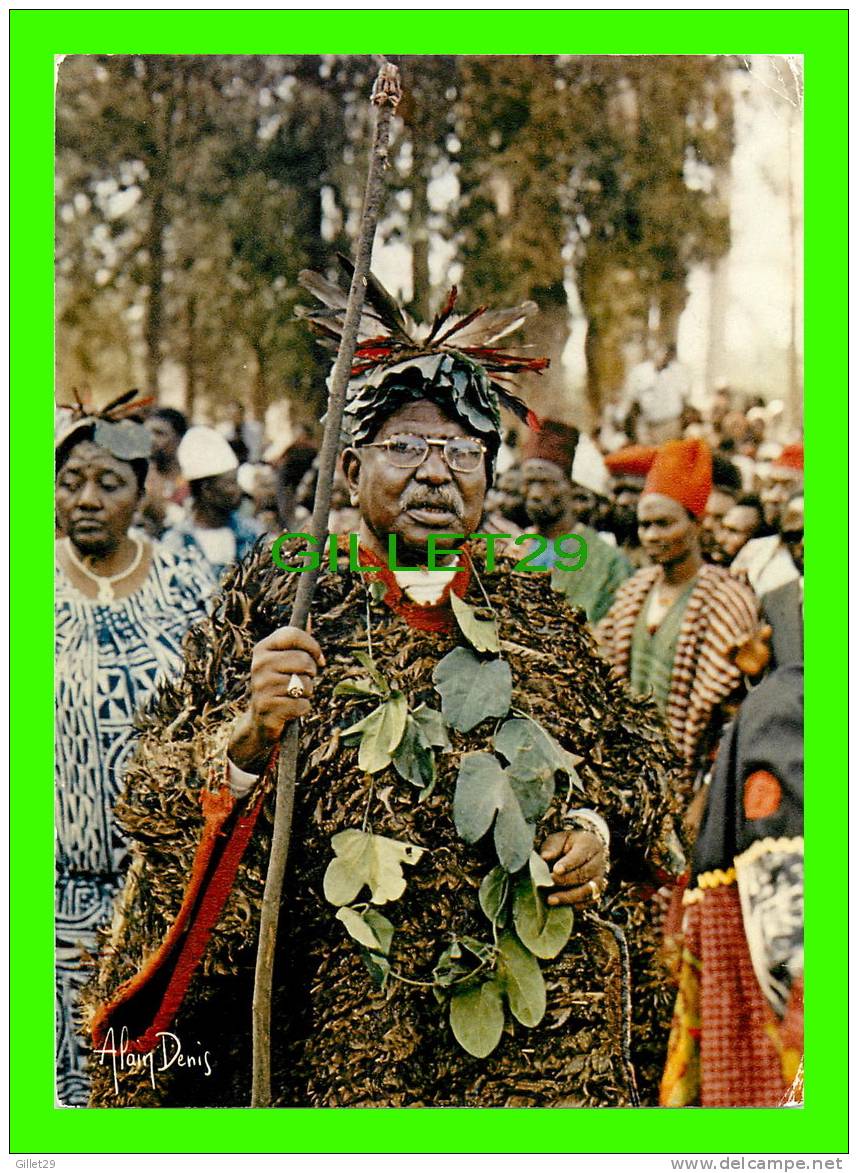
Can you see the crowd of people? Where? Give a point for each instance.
(657, 656)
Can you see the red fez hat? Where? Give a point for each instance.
(635, 460)
(791, 457)
(682, 470)
(554, 441)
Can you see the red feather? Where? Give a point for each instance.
(466, 321)
(446, 310)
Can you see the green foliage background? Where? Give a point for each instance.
(192, 190)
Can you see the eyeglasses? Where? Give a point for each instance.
(461, 454)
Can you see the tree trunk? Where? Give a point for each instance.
(671, 299)
(191, 375)
(716, 343)
(155, 303)
(550, 394)
(605, 364)
(260, 390)
(159, 165)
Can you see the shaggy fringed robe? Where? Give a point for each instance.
(338, 1040)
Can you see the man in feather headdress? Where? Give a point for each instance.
(480, 811)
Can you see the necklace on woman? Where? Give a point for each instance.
(104, 582)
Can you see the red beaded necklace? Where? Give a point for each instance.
(423, 616)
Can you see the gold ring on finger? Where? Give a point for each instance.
(295, 687)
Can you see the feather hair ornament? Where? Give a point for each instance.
(457, 353)
(107, 426)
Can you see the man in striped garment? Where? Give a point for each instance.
(677, 629)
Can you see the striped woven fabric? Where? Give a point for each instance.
(721, 614)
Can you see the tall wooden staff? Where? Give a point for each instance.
(385, 97)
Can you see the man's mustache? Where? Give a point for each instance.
(444, 497)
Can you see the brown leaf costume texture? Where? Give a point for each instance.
(338, 1040)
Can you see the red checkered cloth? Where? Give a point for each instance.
(727, 1048)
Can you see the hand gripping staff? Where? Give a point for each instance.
(385, 97)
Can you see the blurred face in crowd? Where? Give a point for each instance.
(96, 497)
(627, 493)
(792, 531)
(307, 487)
(547, 492)
(583, 503)
(509, 498)
(219, 495)
(734, 426)
(264, 482)
(737, 527)
(720, 407)
(777, 487)
(668, 534)
(716, 508)
(165, 440)
(414, 502)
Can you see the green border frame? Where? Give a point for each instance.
(35, 37)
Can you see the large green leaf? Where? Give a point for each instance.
(366, 661)
(542, 929)
(370, 929)
(480, 633)
(477, 1018)
(367, 860)
(432, 726)
(532, 753)
(493, 894)
(414, 760)
(521, 979)
(360, 686)
(380, 733)
(483, 795)
(471, 689)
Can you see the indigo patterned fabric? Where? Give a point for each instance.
(110, 660)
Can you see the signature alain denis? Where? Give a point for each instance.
(169, 1054)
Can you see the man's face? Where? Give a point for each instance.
(737, 527)
(413, 503)
(666, 531)
(547, 492)
(96, 496)
(510, 497)
(778, 485)
(627, 493)
(582, 503)
(222, 493)
(716, 509)
(792, 531)
(165, 442)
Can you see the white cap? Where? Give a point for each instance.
(588, 468)
(246, 477)
(203, 452)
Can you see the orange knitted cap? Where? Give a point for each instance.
(682, 470)
(635, 460)
(791, 457)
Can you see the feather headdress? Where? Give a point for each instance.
(457, 355)
(107, 426)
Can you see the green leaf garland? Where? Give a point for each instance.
(365, 860)
(472, 690)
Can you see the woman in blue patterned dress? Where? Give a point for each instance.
(123, 605)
